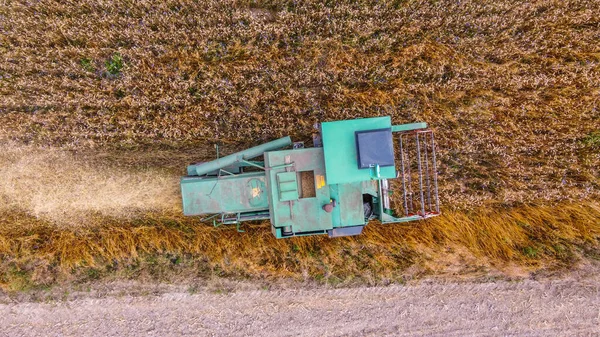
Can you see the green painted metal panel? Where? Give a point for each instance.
(227, 194)
(351, 204)
(288, 186)
(409, 127)
(336, 215)
(349, 210)
(304, 214)
(370, 187)
(339, 146)
(386, 218)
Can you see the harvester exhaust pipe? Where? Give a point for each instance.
(205, 168)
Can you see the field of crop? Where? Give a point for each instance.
(104, 103)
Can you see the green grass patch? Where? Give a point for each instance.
(114, 65)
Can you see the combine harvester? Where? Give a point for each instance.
(334, 188)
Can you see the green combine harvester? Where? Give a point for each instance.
(334, 188)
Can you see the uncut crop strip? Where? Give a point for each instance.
(534, 236)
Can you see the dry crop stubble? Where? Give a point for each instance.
(511, 89)
(56, 186)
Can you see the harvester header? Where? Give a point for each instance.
(334, 188)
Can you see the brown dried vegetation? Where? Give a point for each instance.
(36, 253)
(512, 90)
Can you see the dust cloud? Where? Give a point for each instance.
(64, 189)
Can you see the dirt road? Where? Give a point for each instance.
(525, 308)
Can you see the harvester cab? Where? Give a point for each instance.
(358, 170)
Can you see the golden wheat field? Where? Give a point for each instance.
(104, 103)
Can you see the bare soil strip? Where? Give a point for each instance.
(567, 306)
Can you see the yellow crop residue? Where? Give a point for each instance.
(255, 192)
